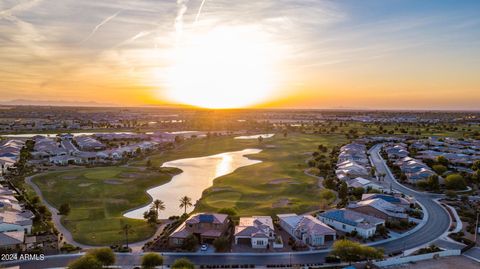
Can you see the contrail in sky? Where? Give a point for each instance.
(100, 25)
(200, 10)
(135, 37)
(182, 8)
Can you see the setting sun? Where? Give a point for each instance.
(226, 67)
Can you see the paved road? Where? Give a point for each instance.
(437, 224)
(438, 221)
(473, 253)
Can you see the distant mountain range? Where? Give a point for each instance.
(27, 102)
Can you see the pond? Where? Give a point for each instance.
(254, 136)
(54, 135)
(198, 174)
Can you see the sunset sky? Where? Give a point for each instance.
(369, 54)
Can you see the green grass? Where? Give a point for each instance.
(250, 190)
(97, 206)
(204, 147)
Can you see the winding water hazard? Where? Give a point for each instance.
(198, 174)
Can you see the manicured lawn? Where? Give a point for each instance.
(278, 184)
(203, 147)
(98, 197)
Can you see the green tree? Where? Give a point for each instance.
(85, 262)
(439, 169)
(159, 205)
(183, 263)
(151, 260)
(343, 191)
(329, 183)
(442, 160)
(433, 182)
(35, 200)
(455, 182)
(126, 230)
(104, 255)
(357, 192)
(349, 251)
(64, 209)
(476, 165)
(190, 243)
(451, 194)
(185, 202)
(382, 231)
(423, 184)
(221, 244)
(373, 171)
(151, 216)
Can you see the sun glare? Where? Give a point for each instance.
(227, 67)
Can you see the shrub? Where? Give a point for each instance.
(350, 251)
(85, 262)
(439, 169)
(455, 182)
(183, 263)
(104, 255)
(151, 260)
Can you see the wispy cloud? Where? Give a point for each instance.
(98, 26)
(46, 47)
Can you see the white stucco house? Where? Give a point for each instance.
(257, 231)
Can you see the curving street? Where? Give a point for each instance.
(438, 220)
(436, 225)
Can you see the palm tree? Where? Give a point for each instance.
(127, 229)
(159, 205)
(185, 202)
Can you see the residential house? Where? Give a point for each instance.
(307, 229)
(361, 182)
(88, 143)
(256, 231)
(349, 221)
(380, 208)
(393, 199)
(352, 170)
(205, 226)
(12, 241)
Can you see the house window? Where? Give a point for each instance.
(343, 226)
